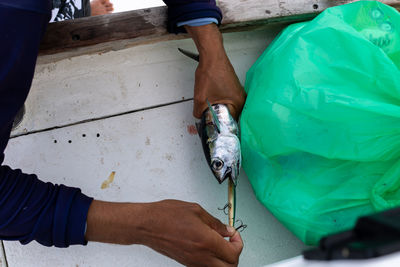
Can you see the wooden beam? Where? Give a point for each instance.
(239, 11)
(121, 30)
(138, 24)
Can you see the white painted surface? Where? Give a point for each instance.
(385, 261)
(3, 262)
(154, 157)
(94, 86)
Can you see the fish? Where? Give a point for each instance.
(219, 134)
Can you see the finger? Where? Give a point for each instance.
(229, 252)
(199, 106)
(198, 110)
(237, 242)
(225, 251)
(233, 111)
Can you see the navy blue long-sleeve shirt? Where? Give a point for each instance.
(53, 215)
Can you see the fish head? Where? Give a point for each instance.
(219, 133)
(225, 157)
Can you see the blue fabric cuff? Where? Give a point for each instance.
(189, 11)
(77, 220)
(197, 22)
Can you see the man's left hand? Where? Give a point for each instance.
(215, 80)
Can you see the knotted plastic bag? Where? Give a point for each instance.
(321, 124)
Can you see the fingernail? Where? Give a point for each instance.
(230, 229)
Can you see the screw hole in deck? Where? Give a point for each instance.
(76, 37)
(315, 6)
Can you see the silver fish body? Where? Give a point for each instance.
(219, 133)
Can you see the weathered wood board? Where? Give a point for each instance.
(95, 86)
(247, 11)
(156, 155)
(121, 30)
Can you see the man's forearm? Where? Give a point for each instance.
(209, 43)
(117, 223)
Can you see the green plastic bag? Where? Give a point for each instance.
(321, 124)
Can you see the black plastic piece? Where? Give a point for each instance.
(373, 236)
(18, 118)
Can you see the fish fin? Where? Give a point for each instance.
(215, 118)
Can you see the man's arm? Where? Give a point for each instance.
(215, 79)
(180, 230)
(30, 209)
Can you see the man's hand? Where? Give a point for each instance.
(180, 230)
(215, 79)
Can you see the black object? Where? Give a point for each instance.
(373, 236)
(18, 118)
(190, 54)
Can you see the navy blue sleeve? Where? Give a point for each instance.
(184, 10)
(29, 208)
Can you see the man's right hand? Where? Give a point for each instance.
(180, 230)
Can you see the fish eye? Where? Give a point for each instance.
(217, 164)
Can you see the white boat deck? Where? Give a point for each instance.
(130, 112)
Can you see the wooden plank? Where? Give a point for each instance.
(87, 31)
(154, 155)
(121, 30)
(95, 86)
(247, 11)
